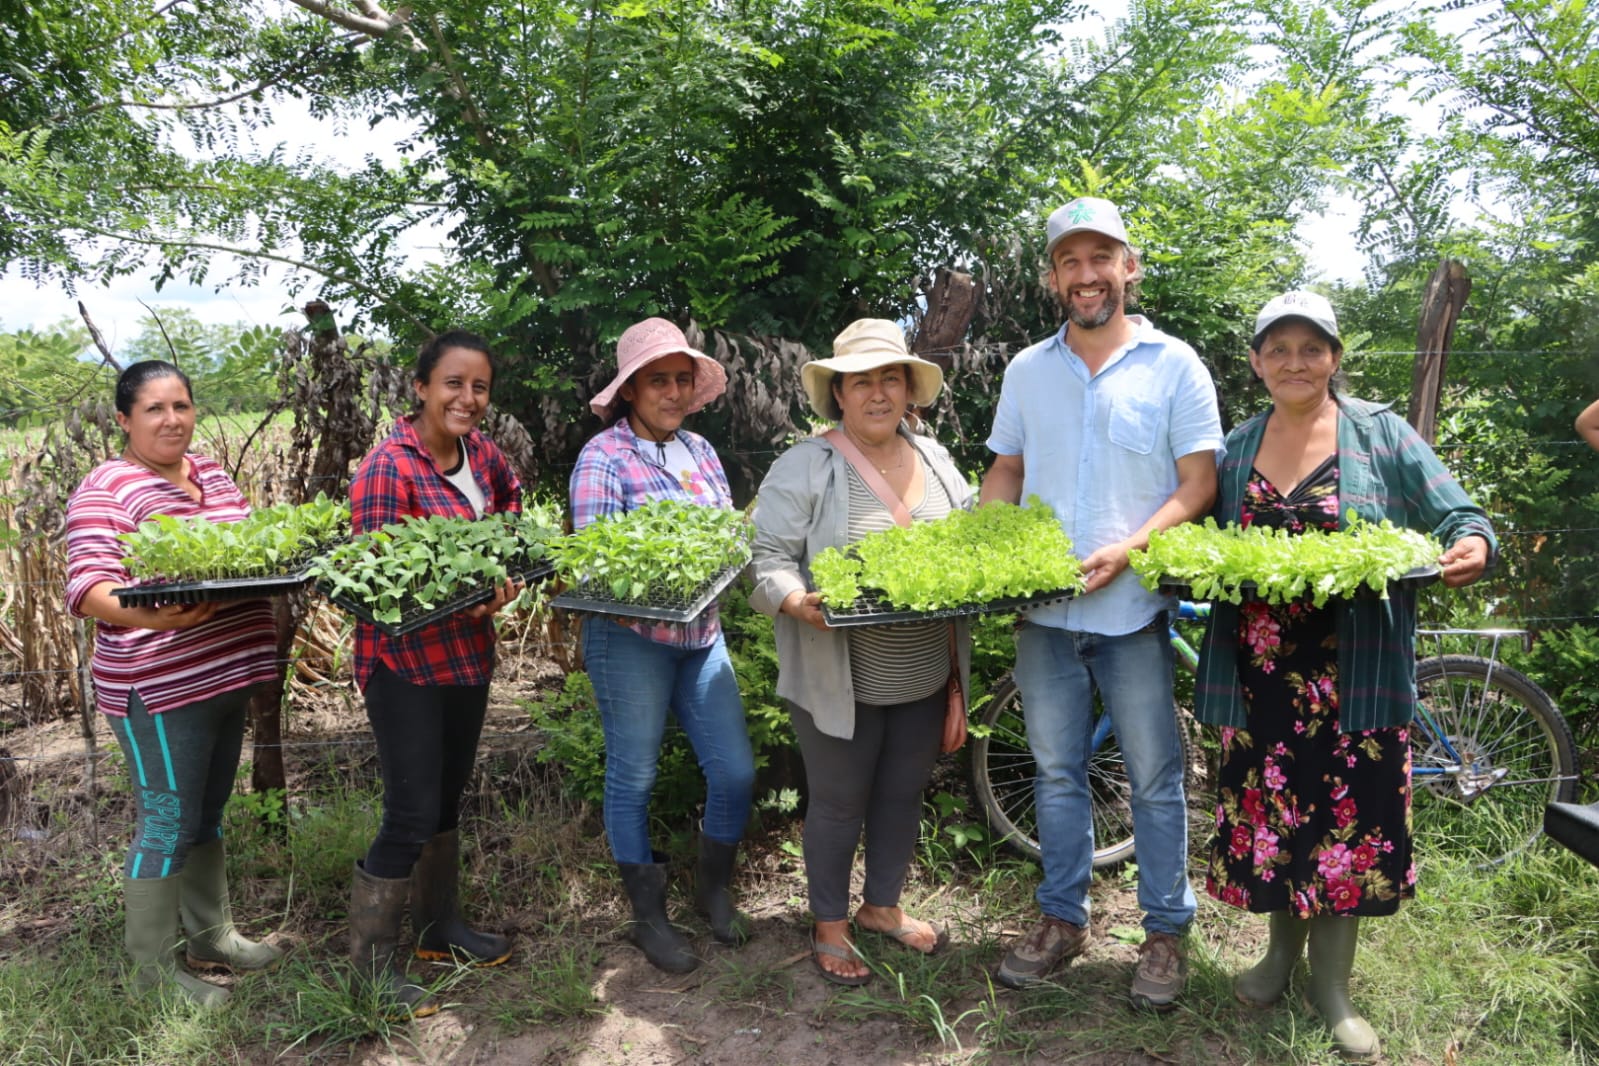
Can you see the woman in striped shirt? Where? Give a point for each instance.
(173, 683)
(870, 706)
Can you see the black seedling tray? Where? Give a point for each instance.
(1418, 578)
(871, 611)
(594, 597)
(410, 623)
(219, 590)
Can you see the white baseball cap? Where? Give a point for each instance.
(1310, 306)
(1084, 213)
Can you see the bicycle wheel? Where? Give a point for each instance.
(1488, 751)
(1003, 771)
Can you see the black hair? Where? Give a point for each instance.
(131, 380)
(428, 356)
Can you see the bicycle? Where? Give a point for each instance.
(1481, 729)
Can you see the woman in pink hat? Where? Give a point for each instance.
(642, 670)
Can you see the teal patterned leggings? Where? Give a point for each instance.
(182, 764)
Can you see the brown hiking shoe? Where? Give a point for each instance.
(1049, 943)
(1161, 972)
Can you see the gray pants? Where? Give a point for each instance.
(182, 764)
(873, 780)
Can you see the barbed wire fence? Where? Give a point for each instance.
(53, 780)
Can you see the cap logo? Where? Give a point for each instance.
(1079, 212)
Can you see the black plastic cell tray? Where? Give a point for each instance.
(1418, 578)
(593, 597)
(411, 623)
(219, 590)
(871, 611)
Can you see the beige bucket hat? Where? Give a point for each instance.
(867, 344)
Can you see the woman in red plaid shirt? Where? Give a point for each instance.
(641, 671)
(427, 692)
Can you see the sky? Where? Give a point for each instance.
(118, 306)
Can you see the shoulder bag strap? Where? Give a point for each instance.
(874, 481)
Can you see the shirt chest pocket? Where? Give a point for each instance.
(1134, 424)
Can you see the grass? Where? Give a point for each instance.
(1484, 967)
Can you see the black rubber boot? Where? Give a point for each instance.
(713, 876)
(377, 907)
(441, 935)
(663, 945)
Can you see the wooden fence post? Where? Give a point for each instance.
(1441, 304)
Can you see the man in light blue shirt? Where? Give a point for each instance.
(1114, 424)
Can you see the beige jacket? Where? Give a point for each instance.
(803, 507)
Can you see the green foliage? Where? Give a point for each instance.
(1215, 561)
(41, 373)
(990, 553)
(1565, 664)
(420, 563)
(569, 720)
(662, 549)
(270, 540)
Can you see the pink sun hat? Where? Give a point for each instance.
(652, 339)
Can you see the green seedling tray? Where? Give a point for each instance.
(869, 610)
(1418, 578)
(411, 622)
(593, 597)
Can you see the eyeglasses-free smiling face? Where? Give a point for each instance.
(659, 395)
(1089, 273)
(1296, 361)
(455, 397)
(161, 424)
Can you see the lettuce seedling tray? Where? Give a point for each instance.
(217, 590)
(410, 623)
(594, 597)
(1418, 578)
(868, 610)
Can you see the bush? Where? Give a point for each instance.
(569, 719)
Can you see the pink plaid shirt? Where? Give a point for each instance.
(615, 474)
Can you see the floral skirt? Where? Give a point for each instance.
(1308, 818)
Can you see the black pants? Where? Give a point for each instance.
(874, 782)
(427, 742)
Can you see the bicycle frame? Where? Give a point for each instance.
(1470, 785)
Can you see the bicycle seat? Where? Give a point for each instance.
(1574, 826)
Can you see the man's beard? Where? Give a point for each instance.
(1114, 295)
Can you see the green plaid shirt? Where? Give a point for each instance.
(1385, 470)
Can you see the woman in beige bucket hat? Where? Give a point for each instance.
(870, 705)
(642, 670)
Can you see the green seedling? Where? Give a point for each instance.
(996, 552)
(269, 541)
(1215, 560)
(663, 549)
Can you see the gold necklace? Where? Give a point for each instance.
(898, 450)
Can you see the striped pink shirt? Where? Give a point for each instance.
(170, 668)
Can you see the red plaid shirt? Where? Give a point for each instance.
(397, 478)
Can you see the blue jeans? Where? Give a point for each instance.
(636, 681)
(1058, 672)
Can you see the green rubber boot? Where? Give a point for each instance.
(151, 939)
(1332, 958)
(1265, 982)
(214, 944)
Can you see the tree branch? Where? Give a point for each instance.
(246, 253)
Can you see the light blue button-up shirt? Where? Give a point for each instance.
(1102, 451)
